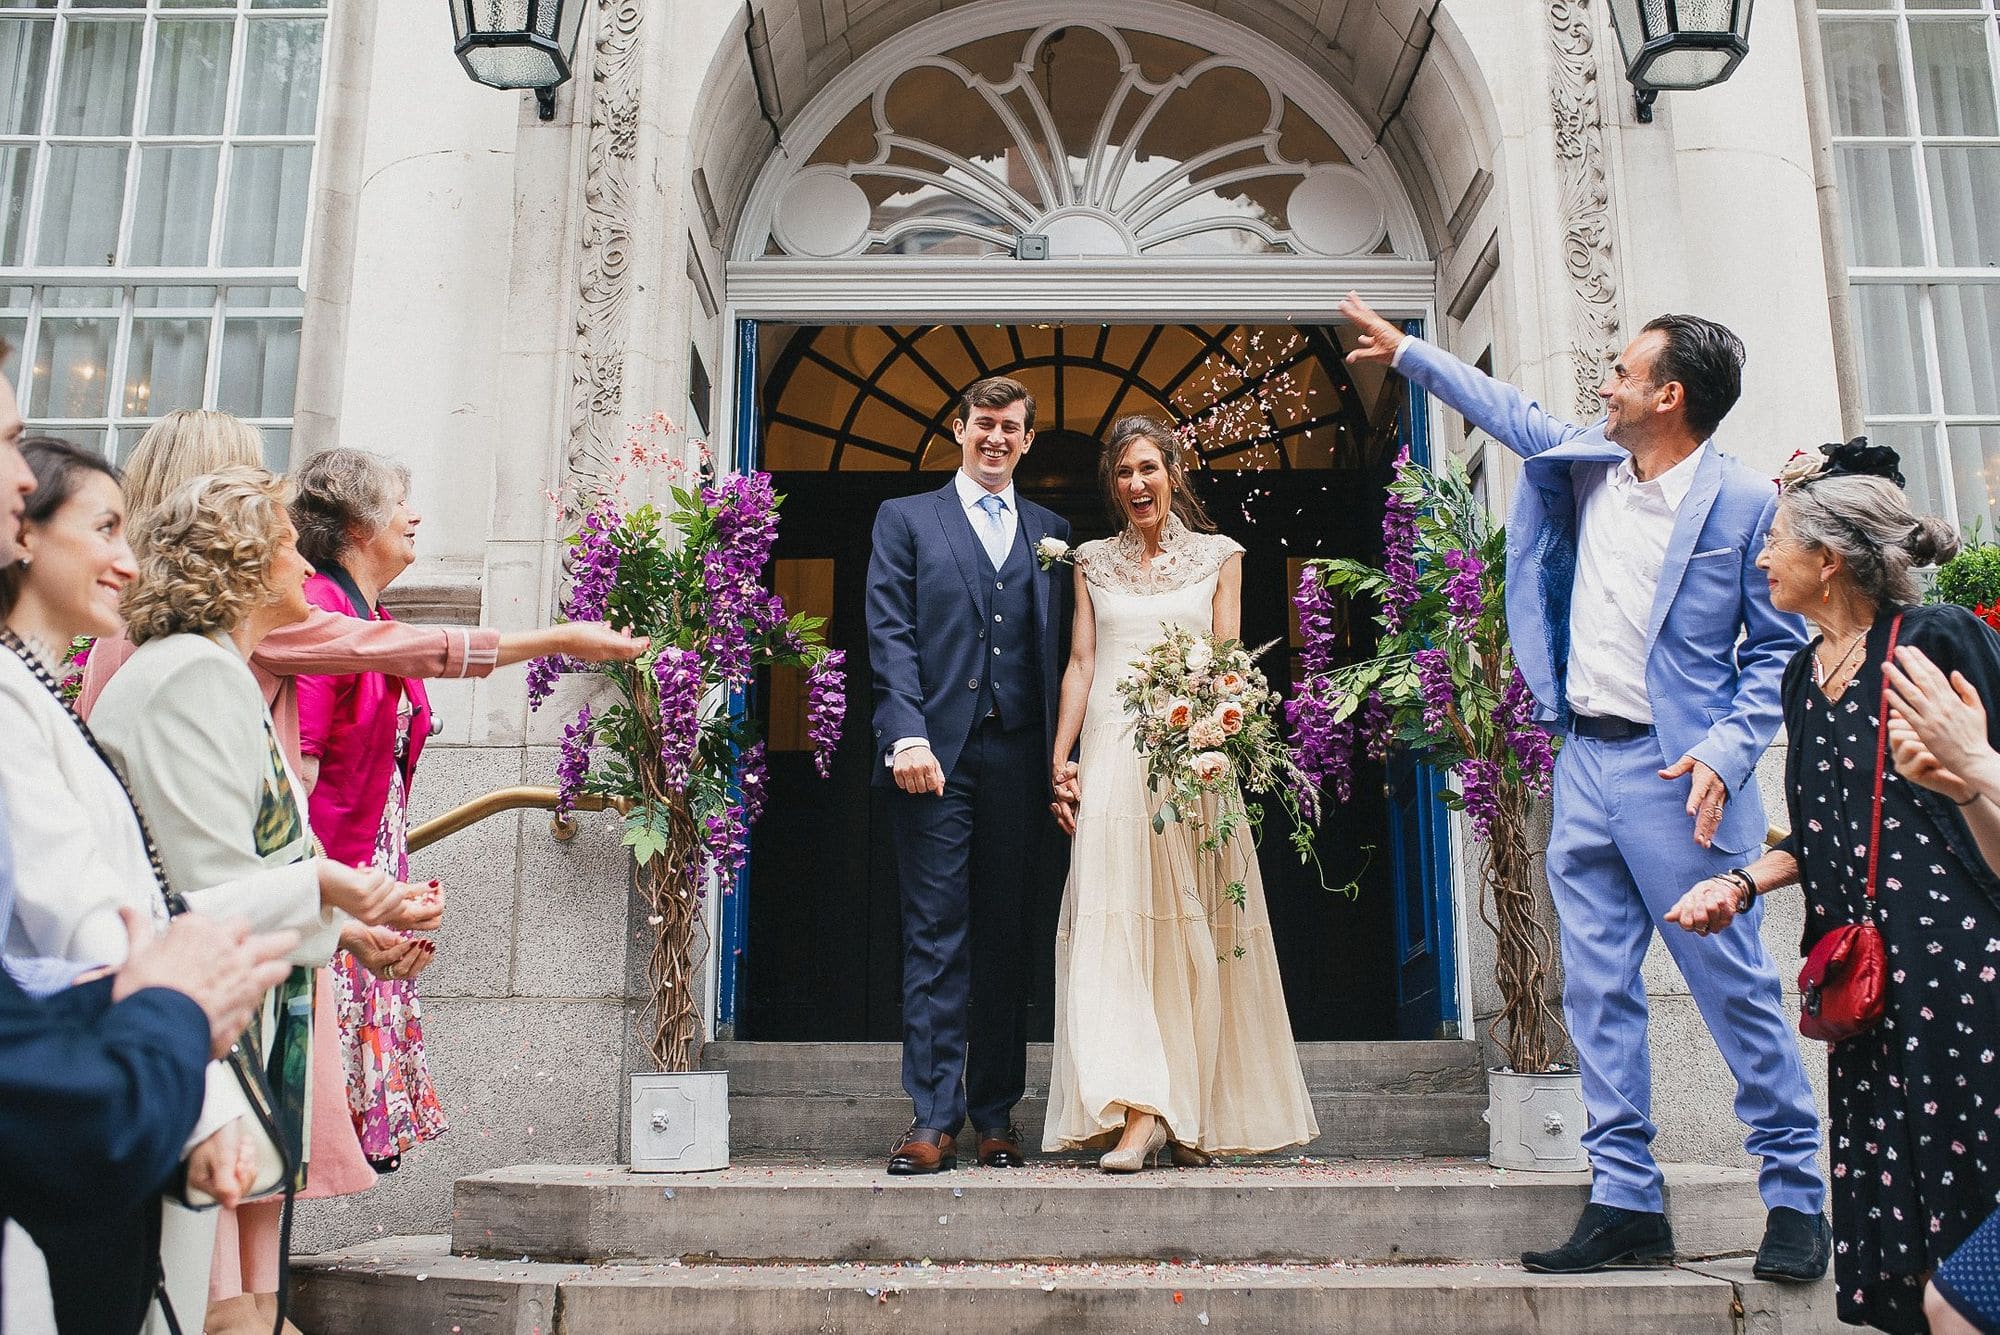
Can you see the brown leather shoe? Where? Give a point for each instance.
(1001, 1148)
(922, 1150)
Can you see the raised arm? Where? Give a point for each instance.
(1495, 407)
(328, 642)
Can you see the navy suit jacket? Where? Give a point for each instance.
(96, 1100)
(925, 627)
(1716, 648)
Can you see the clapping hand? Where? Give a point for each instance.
(387, 953)
(1937, 727)
(367, 893)
(423, 908)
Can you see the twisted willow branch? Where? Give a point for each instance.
(1522, 944)
(671, 1022)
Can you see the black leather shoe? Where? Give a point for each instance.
(1796, 1246)
(1605, 1236)
(1001, 1148)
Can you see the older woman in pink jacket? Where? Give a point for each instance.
(362, 734)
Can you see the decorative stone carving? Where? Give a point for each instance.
(597, 390)
(1587, 231)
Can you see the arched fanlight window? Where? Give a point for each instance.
(844, 398)
(1103, 140)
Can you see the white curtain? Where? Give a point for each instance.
(1878, 184)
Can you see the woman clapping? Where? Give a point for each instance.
(219, 569)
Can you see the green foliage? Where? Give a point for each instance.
(1970, 579)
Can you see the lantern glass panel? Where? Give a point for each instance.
(1700, 16)
(1683, 69)
(498, 15)
(514, 66)
(1626, 18)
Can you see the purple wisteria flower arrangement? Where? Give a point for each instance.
(1442, 682)
(669, 749)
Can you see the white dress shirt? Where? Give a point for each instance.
(1623, 527)
(970, 493)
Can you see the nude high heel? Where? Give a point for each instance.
(1131, 1161)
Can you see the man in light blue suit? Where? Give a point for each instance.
(1641, 623)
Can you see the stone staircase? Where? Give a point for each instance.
(804, 1232)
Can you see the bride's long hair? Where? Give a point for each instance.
(1124, 433)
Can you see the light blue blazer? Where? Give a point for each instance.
(1715, 647)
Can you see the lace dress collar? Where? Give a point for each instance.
(1185, 558)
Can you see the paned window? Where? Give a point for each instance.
(1914, 88)
(155, 170)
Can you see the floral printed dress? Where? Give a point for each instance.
(389, 1090)
(1914, 1104)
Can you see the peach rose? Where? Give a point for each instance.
(1229, 717)
(1209, 766)
(1180, 713)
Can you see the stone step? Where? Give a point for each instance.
(1305, 1211)
(846, 1100)
(414, 1285)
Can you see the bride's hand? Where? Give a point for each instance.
(1065, 814)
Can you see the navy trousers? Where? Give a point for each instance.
(1621, 853)
(965, 860)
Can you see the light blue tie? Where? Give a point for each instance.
(994, 531)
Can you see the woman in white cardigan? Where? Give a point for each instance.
(80, 848)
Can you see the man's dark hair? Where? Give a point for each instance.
(1707, 359)
(996, 391)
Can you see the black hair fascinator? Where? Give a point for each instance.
(1856, 458)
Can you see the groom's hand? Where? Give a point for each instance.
(916, 770)
(1378, 339)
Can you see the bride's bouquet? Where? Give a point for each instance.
(1207, 725)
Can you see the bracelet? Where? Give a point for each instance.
(1976, 795)
(1743, 878)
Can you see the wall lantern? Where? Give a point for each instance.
(519, 44)
(1676, 45)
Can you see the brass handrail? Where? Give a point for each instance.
(512, 799)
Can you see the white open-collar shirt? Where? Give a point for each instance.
(1623, 528)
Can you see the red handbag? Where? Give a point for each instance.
(1841, 982)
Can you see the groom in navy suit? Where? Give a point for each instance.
(963, 627)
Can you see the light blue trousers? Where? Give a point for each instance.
(1621, 853)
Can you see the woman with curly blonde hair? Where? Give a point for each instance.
(219, 569)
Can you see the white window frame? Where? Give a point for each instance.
(43, 279)
(1927, 277)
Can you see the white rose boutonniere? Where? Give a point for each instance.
(1053, 552)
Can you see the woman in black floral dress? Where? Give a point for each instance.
(1915, 1101)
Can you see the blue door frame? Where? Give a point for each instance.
(1420, 824)
(1420, 845)
(734, 914)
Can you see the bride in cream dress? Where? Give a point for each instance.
(1166, 1036)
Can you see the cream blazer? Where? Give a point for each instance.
(79, 856)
